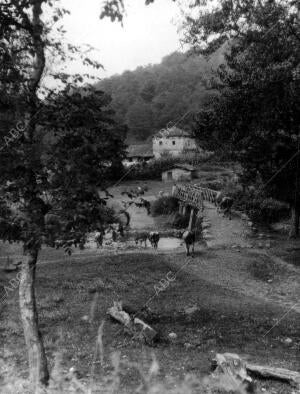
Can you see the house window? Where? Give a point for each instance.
(173, 142)
(160, 142)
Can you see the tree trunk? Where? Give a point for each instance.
(294, 229)
(38, 368)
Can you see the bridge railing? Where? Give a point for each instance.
(194, 194)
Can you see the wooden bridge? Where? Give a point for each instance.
(192, 199)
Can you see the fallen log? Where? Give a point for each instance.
(232, 365)
(283, 374)
(147, 332)
(117, 313)
(136, 327)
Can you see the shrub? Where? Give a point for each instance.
(263, 269)
(267, 210)
(151, 170)
(164, 206)
(258, 207)
(213, 184)
(180, 221)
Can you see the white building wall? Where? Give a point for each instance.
(173, 145)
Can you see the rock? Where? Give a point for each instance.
(172, 335)
(232, 366)
(73, 371)
(190, 310)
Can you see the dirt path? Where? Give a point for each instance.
(222, 231)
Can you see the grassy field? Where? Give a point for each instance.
(225, 321)
(221, 301)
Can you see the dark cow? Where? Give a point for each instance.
(226, 205)
(99, 238)
(154, 239)
(189, 238)
(141, 238)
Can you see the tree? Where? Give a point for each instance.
(55, 154)
(257, 112)
(140, 119)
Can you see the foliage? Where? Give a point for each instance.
(54, 162)
(66, 145)
(267, 210)
(257, 206)
(180, 221)
(152, 169)
(264, 269)
(256, 114)
(150, 97)
(213, 184)
(165, 205)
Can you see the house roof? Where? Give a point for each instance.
(171, 132)
(144, 150)
(186, 167)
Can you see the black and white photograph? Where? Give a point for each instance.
(150, 197)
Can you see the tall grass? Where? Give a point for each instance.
(62, 382)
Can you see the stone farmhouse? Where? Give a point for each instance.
(174, 141)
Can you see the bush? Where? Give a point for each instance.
(213, 184)
(164, 206)
(259, 208)
(151, 170)
(180, 221)
(263, 269)
(267, 210)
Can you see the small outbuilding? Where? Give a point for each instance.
(180, 172)
(138, 154)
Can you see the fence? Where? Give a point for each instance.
(194, 195)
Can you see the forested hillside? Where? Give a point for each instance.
(147, 98)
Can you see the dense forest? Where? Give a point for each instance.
(150, 97)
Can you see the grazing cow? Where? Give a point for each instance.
(226, 205)
(218, 198)
(154, 239)
(99, 239)
(189, 238)
(141, 238)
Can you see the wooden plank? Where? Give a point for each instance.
(292, 377)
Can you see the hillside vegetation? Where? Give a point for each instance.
(147, 98)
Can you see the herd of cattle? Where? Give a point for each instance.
(222, 202)
(189, 238)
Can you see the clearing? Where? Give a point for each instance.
(221, 301)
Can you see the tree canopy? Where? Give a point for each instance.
(58, 149)
(257, 112)
(148, 98)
